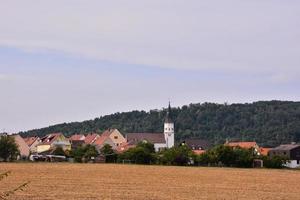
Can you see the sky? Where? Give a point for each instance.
(64, 61)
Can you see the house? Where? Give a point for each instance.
(197, 144)
(264, 151)
(103, 140)
(77, 140)
(22, 146)
(290, 151)
(245, 145)
(53, 141)
(124, 147)
(157, 139)
(91, 138)
(32, 143)
(77, 137)
(199, 152)
(115, 136)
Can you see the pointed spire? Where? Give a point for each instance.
(168, 118)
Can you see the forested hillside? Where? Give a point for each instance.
(267, 122)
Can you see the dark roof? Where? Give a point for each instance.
(49, 139)
(168, 118)
(197, 143)
(134, 138)
(286, 147)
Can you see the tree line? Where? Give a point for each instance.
(144, 153)
(269, 123)
(182, 155)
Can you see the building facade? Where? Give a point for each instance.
(169, 129)
(290, 152)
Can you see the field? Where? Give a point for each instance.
(104, 181)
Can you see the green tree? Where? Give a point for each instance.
(78, 154)
(275, 162)
(143, 153)
(180, 155)
(84, 153)
(225, 155)
(269, 123)
(90, 151)
(243, 157)
(8, 148)
(109, 153)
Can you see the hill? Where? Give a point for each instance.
(268, 122)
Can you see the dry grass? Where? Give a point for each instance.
(103, 181)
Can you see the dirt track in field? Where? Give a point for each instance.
(105, 181)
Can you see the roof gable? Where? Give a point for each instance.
(31, 140)
(90, 138)
(49, 139)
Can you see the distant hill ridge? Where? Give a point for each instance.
(267, 122)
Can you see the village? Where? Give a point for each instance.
(46, 148)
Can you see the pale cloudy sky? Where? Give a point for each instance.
(71, 60)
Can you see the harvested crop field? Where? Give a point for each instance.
(105, 181)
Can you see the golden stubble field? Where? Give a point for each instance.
(105, 181)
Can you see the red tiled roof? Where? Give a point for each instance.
(107, 132)
(100, 140)
(90, 138)
(124, 147)
(77, 137)
(246, 145)
(265, 151)
(30, 140)
(199, 152)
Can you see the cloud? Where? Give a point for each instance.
(74, 60)
(5, 77)
(233, 35)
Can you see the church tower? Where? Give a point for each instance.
(169, 129)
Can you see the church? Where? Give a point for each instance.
(159, 140)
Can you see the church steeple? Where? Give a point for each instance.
(169, 128)
(168, 118)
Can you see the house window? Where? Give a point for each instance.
(298, 162)
(116, 137)
(284, 153)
